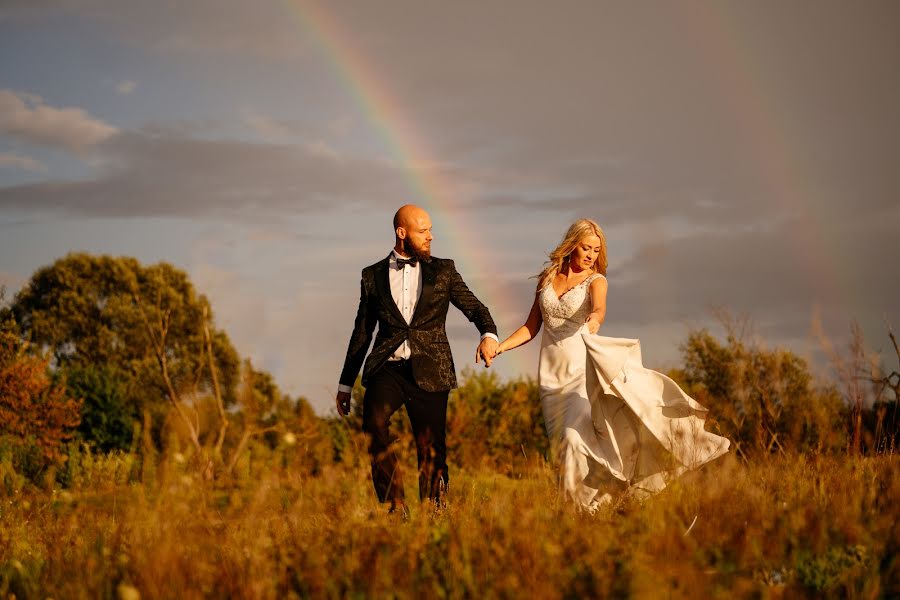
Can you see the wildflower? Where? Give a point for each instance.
(127, 592)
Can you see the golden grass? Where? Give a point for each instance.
(799, 526)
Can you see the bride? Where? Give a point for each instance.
(614, 425)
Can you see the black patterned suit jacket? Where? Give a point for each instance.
(430, 358)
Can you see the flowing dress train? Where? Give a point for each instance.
(614, 425)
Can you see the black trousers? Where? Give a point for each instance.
(390, 388)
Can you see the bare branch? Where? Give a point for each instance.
(248, 433)
(159, 349)
(217, 392)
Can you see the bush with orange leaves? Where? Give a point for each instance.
(33, 410)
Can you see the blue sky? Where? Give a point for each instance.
(218, 136)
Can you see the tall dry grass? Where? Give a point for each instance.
(786, 526)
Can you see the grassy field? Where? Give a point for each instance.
(799, 526)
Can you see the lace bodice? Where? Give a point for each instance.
(565, 316)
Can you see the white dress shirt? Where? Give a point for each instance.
(406, 287)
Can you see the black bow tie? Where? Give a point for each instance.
(402, 262)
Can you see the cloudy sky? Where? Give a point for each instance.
(737, 154)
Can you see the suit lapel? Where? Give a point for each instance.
(429, 275)
(383, 282)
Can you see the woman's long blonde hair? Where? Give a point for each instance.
(559, 258)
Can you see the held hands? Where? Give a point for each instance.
(343, 403)
(486, 351)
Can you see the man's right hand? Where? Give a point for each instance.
(486, 351)
(343, 403)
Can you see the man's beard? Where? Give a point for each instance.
(409, 249)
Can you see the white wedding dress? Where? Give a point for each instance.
(614, 425)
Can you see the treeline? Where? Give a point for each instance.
(104, 355)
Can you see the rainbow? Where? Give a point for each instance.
(767, 129)
(743, 84)
(429, 187)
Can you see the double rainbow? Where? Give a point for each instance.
(743, 85)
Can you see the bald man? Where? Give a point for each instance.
(407, 295)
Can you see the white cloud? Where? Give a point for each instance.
(141, 175)
(17, 161)
(267, 128)
(126, 87)
(27, 117)
(321, 149)
(285, 131)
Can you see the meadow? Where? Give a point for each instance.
(787, 526)
(142, 457)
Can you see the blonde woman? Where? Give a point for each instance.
(615, 426)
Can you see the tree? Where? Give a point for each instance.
(104, 318)
(887, 402)
(497, 421)
(107, 422)
(763, 400)
(116, 314)
(259, 399)
(871, 393)
(33, 410)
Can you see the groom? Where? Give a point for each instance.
(407, 295)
